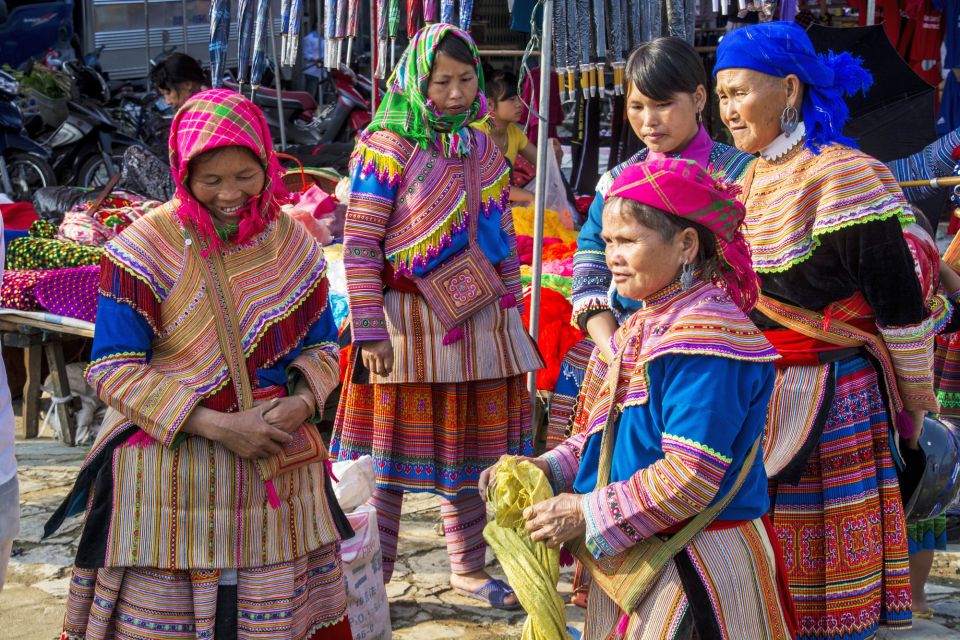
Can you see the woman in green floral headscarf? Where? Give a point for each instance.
(434, 402)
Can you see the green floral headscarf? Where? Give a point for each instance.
(405, 109)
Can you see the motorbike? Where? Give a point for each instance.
(87, 148)
(24, 164)
(308, 124)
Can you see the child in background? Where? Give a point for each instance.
(506, 109)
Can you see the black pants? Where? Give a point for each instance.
(225, 627)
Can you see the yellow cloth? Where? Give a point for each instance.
(552, 226)
(516, 140)
(532, 568)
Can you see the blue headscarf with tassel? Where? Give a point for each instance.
(783, 48)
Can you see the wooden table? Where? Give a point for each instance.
(37, 332)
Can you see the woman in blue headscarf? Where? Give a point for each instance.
(841, 302)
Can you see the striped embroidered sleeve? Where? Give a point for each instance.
(591, 277)
(703, 401)
(912, 352)
(933, 161)
(510, 266)
(564, 461)
(121, 374)
(371, 204)
(319, 359)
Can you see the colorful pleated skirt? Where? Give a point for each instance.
(433, 437)
(947, 374)
(724, 586)
(842, 527)
(300, 600)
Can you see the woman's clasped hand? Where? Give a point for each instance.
(262, 431)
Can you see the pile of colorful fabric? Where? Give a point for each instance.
(56, 267)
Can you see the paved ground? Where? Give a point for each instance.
(422, 606)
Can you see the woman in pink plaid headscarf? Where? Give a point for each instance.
(208, 516)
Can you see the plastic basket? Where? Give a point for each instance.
(53, 111)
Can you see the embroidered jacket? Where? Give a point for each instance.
(591, 277)
(827, 230)
(409, 210)
(184, 502)
(694, 386)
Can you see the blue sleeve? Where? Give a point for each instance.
(322, 334)
(120, 329)
(933, 161)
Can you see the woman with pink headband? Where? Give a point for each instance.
(691, 377)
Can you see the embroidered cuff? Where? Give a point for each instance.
(941, 312)
(586, 306)
(608, 530)
(321, 370)
(563, 468)
(369, 329)
(911, 350)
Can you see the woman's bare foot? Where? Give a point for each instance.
(473, 582)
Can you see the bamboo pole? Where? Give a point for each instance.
(946, 181)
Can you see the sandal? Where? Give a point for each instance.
(494, 592)
(925, 614)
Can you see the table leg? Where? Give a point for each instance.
(61, 388)
(31, 390)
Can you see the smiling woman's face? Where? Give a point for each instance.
(750, 106)
(453, 85)
(225, 182)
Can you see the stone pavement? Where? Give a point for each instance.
(422, 605)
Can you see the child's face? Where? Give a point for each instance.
(508, 109)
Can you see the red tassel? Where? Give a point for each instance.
(329, 465)
(122, 286)
(454, 335)
(283, 335)
(508, 301)
(904, 424)
(566, 558)
(272, 496)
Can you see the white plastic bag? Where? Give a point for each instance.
(555, 198)
(367, 604)
(355, 482)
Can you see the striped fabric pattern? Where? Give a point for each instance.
(573, 370)
(150, 262)
(415, 210)
(279, 289)
(736, 571)
(842, 528)
(433, 437)
(798, 397)
(947, 374)
(495, 344)
(911, 350)
(793, 203)
(302, 599)
(591, 277)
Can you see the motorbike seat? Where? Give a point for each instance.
(292, 100)
(304, 98)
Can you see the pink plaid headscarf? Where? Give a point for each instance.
(683, 188)
(223, 118)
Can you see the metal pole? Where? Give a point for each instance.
(186, 31)
(543, 144)
(373, 55)
(146, 32)
(276, 80)
(872, 12)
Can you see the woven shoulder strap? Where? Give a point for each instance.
(224, 317)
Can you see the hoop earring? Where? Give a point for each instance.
(789, 120)
(686, 276)
(699, 116)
